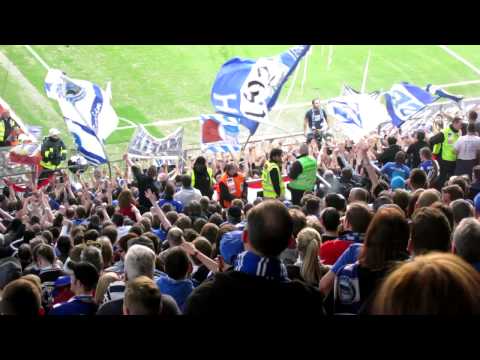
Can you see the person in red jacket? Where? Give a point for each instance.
(355, 224)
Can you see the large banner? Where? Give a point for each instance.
(248, 89)
(145, 146)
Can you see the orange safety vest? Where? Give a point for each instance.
(234, 185)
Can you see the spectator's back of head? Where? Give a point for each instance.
(177, 263)
(430, 232)
(461, 209)
(312, 205)
(451, 193)
(111, 233)
(93, 255)
(139, 260)
(117, 219)
(270, 228)
(299, 220)
(210, 232)
(359, 216)
(434, 274)
(400, 157)
(337, 201)
(216, 219)
(330, 218)
(381, 201)
(466, 241)
(447, 211)
(391, 140)
(402, 199)
(358, 194)
(21, 297)
(142, 297)
(190, 235)
(183, 222)
(427, 198)
(418, 179)
(186, 181)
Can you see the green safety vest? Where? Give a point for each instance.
(308, 177)
(268, 190)
(2, 130)
(448, 145)
(210, 173)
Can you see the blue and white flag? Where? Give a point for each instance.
(87, 111)
(356, 115)
(219, 133)
(440, 93)
(404, 99)
(248, 89)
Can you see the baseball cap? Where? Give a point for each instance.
(53, 132)
(231, 245)
(10, 270)
(397, 183)
(86, 273)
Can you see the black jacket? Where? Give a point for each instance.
(413, 153)
(235, 293)
(145, 182)
(389, 154)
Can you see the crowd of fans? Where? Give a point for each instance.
(387, 225)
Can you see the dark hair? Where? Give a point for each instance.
(198, 224)
(420, 135)
(136, 229)
(359, 216)
(418, 179)
(270, 227)
(462, 182)
(176, 263)
(87, 274)
(169, 190)
(330, 218)
(391, 140)
(461, 209)
(183, 222)
(476, 171)
(275, 152)
(430, 231)
(454, 191)
(186, 181)
(216, 219)
(110, 232)
(299, 221)
(336, 200)
(381, 201)
(172, 216)
(472, 115)
(117, 219)
(381, 186)
(446, 210)
(91, 235)
(80, 212)
(402, 199)
(64, 245)
(386, 240)
(190, 234)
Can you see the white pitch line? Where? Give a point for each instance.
(36, 56)
(460, 58)
(365, 73)
(461, 83)
(330, 57)
(305, 65)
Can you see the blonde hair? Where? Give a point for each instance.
(433, 284)
(105, 280)
(308, 242)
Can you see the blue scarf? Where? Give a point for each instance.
(352, 236)
(270, 268)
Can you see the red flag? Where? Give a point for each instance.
(210, 131)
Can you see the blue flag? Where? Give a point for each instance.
(404, 99)
(248, 89)
(435, 90)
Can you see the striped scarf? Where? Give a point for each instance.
(352, 236)
(270, 268)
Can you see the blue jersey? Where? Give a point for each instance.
(392, 169)
(426, 166)
(77, 305)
